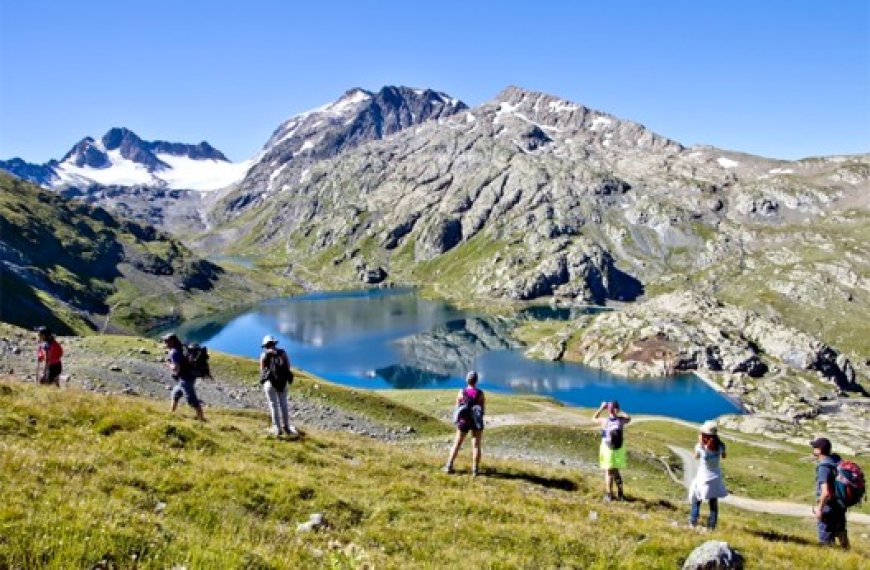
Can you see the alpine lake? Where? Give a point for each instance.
(394, 339)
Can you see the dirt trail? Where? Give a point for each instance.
(690, 467)
(546, 414)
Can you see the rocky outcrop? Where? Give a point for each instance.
(687, 331)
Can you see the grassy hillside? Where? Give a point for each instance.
(78, 268)
(88, 480)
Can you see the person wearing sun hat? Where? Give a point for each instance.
(275, 376)
(708, 484)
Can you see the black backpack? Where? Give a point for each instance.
(197, 360)
(277, 371)
(612, 434)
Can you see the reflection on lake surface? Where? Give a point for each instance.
(394, 339)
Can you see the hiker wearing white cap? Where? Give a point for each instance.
(276, 377)
(708, 484)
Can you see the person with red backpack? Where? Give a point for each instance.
(611, 454)
(468, 416)
(830, 512)
(49, 352)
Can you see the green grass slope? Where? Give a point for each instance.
(89, 480)
(78, 268)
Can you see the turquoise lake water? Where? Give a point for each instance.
(392, 338)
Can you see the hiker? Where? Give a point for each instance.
(611, 453)
(708, 484)
(830, 514)
(468, 416)
(48, 351)
(275, 377)
(182, 374)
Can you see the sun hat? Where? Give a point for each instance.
(269, 339)
(710, 428)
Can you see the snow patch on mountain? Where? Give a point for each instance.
(202, 175)
(184, 173)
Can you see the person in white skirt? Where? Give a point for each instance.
(708, 484)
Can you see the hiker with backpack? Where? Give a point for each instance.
(48, 354)
(183, 374)
(708, 484)
(611, 453)
(468, 416)
(276, 377)
(839, 485)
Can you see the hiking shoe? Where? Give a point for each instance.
(608, 497)
(620, 497)
(273, 431)
(291, 431)
(475, 472)
(447, 469)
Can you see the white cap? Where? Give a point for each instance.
(269, 339)
(710, 428)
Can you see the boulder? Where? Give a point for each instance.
(714, 555)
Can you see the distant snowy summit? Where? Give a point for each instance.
(121, 158)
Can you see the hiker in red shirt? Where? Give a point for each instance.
(48, 354)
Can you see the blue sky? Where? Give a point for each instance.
(784, 79)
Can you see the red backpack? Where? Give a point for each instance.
(849, 484)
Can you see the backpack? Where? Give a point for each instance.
(469, 414)
(277, 371)
(612, 434)
(849, 484)
(197, 360)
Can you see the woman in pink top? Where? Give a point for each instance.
(468, 416)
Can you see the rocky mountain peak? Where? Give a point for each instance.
(357, 117)
(87, 152)
(116, 137)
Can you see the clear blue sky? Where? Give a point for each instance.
(783, 78)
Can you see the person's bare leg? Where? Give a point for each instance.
(608, 482)
(174, 405)
(457, 445)
(199, 415)
(476, 440)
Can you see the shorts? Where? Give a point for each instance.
(832, 525)
(185, 388)
(611, 458)
(51, 374)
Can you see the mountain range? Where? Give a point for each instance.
(524, 197)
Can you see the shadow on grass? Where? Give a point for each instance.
(548, 482)
(652, 504)
(773, 536)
